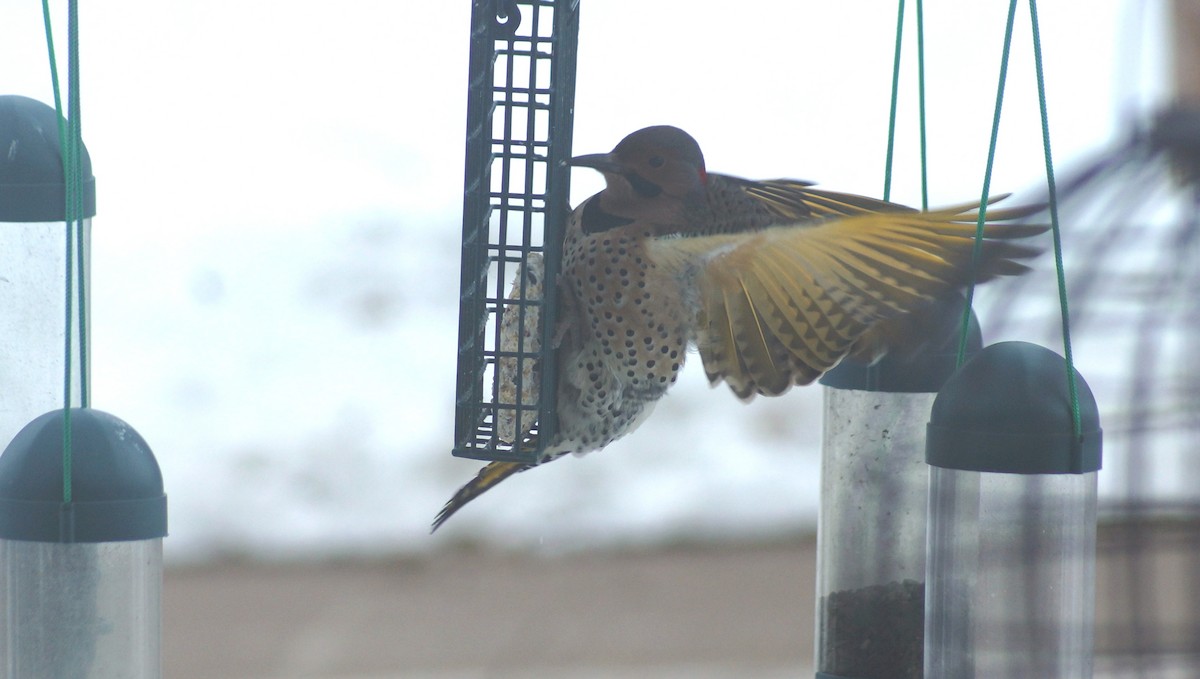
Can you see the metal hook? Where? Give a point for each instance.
(507, 17)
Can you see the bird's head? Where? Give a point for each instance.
(651, 174)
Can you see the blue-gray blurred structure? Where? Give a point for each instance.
(1131, 232)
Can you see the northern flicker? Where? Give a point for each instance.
(773, 282)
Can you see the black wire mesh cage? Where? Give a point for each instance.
(519, 115)
(1131, 230)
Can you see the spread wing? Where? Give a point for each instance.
(782, 305)
(795, 200)
(736, 204)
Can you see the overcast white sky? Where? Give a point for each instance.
(287, 109)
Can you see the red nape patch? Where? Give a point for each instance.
(703, 176)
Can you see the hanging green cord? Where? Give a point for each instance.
(1054, 227)
(987, 184)
(921, 103)
(73, 173)
(62, 143)
(891, 141)
(71, 145)
(75, 139)
(62, 132)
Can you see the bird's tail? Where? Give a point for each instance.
(489, 476)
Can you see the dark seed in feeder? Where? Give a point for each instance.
(876, 632)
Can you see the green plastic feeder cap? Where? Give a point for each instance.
(1008, 409)
(116, 486)
(921, 372)
(31, 164)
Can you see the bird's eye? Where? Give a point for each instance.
(656, 161)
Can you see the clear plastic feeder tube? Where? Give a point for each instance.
(874, 498)
(1011, 567)
(85, 610)
(81, 581)
(80, 562)
(33, 262)
(871, 535)
(33, 255)
(1014, 590)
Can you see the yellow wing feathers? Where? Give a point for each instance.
(797, 199)
(781, 306)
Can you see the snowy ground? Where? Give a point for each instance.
(318, 400)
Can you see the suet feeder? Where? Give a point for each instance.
(82, 509)
(872, 522)
(521, 96)
(1012, 519)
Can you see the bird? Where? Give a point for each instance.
(773, 282)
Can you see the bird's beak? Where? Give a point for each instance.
(604, 162)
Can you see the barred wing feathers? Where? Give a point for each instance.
(782, 305)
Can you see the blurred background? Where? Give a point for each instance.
(274, 290)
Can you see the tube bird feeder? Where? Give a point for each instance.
(82, 508)
(81, 580)
(874, 485)
(34, 262)
(1012, 523)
